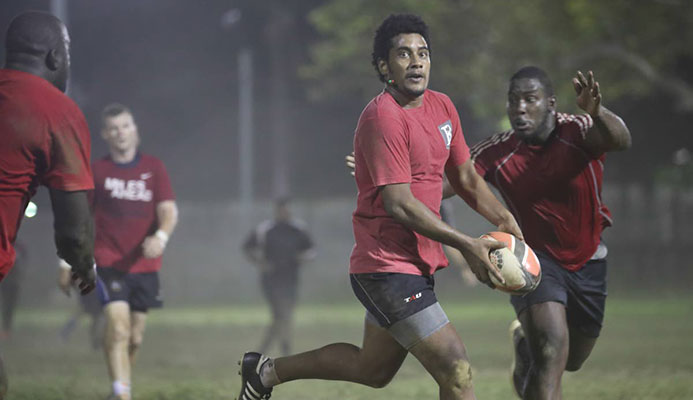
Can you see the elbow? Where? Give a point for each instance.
(396, 210)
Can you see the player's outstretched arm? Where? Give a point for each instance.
(74, 235)
(167, 215)
(473, 189)
(406, 209)
(609, 132)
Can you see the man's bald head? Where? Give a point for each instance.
(38, 43)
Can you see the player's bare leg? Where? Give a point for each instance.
(444, 356)
(138, 322)
(546, 329)
(374, 364)
(117, 341)
(580, 348)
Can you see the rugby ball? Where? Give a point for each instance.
(517, 263)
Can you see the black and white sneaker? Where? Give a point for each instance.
(251, 385)
(521, 358)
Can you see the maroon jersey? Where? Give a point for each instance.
(553, 190)
(396, 145)
(44, 140)
(124, 202)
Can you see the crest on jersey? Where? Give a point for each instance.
(445, 130)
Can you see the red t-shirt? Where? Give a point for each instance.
(554, 190)
(44, 140)
(124, 202)
(396, 145)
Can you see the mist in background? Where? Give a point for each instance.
(176, 65)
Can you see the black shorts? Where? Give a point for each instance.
(582, 292)
(140, 290)
(403, 304)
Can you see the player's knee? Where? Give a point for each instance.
(377, 379)
(136, 340)
(119, 331)
(459, 376)
(551, 351)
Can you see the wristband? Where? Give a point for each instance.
(163, 236)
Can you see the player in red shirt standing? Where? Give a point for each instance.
(44, 140)
(406, 139)
(549, 170)
(134, 214)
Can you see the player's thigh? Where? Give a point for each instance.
(381, 356)
(444, 356)
(546, 329)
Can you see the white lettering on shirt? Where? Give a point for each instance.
(134, 190)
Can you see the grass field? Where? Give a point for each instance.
(645, 352)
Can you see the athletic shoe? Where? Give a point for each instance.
(251, 385)
(521, 360)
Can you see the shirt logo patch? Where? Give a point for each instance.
(146, 175)
(445, 130)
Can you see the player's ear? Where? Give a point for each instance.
(383, 69)
(552, 103)
(53, 60)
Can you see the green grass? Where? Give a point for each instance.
(645, 352)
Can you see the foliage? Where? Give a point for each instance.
(635, 48)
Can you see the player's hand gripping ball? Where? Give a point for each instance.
(517, 263)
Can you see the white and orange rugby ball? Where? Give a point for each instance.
(517, 263)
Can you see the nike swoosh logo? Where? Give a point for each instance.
(146, 175)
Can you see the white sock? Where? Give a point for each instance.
(268, 376)
(120, 388)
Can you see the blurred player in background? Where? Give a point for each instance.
(89, 305)
(406, 139)
(11, 285)
(278, 247)
(549, 169)
(44, 139)
(134, 214)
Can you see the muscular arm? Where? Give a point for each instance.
(403, 207)
(465, 181)
(609, 132)
(74, 234)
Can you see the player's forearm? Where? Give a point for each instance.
(74, 230)
(413, 214)
(613, 131)
(480, 198)
(167, 214)
(472, 188)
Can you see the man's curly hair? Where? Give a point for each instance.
(392, 26)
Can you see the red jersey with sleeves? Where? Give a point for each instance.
(554, 189)
(124, 203)
(396, 145)
(44, 140)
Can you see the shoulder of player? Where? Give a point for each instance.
(501, 139)
(566, 122)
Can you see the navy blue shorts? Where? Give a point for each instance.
(140, 290)
(582, 292)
